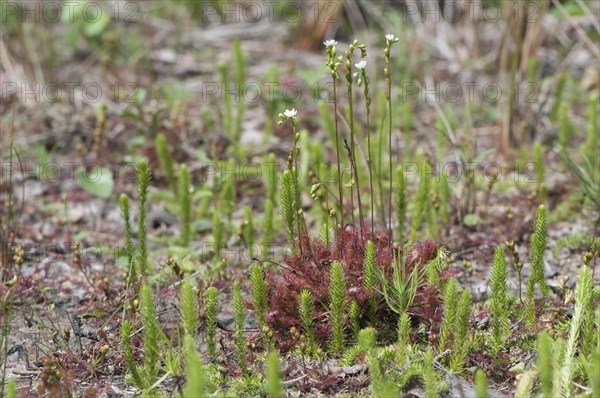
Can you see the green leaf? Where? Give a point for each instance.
(177, 92)
(98, 181)
(202, 155)
(310, 76)
(572, 9)
(96, 24)
(483, 155)
(42, 156)
(139, 96)
(201, 194)
(75, 14)
(471, 220)
(517, 368)
(95, 314)
(202, 225)
(128, 115)
(81, 235)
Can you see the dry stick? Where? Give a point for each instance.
(546, 89)
(577, 28)
(589, 13)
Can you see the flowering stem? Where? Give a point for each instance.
(333, 65)
(364, 79)
(370, 170)
(352, 145)
(390, 39)
(389, 99)
(381, 140)
(297, 216)
(297, 195)
(337, 148)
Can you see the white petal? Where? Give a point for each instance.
(290, 113)
(362, 64)
(390, 37)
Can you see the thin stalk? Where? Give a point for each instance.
(298, 216)
(390, 39)
(339, 169)
(370, 172)
(352, 144)
(365, 79)
(327, 217)
(390, 158)
(333, 66)
(294, 168)
(297, 194)
(380, 171)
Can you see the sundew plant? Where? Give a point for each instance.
(299, 198)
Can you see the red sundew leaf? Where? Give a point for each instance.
(310, 271)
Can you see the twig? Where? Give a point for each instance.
(293, 381)
(593, 49)
(589, 12)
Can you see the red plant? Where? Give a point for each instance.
(55, 380)
(310, 271)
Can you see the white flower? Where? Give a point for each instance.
(361, 65)
(330, 43)
(290, 113)
(390, 37)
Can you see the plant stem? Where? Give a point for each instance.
(296, 192)
(390, 158)
(353, 160)
(339, 170)
(370, 170)
(380, 171)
